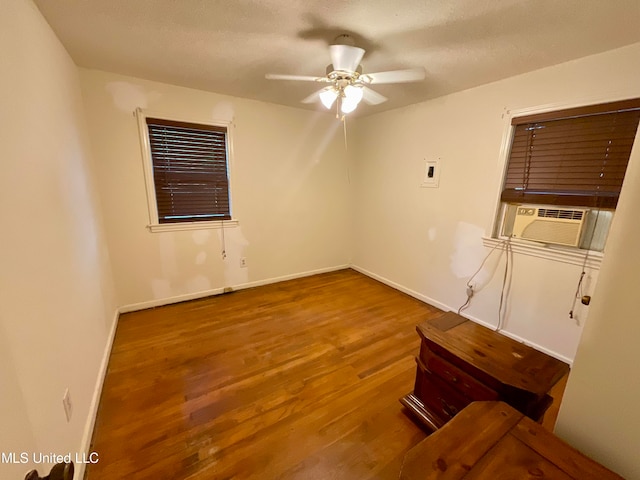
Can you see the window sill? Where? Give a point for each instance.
(174, 227)
(555, 253)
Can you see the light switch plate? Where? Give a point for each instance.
(431, 174)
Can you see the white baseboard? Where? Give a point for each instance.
(217, 291)
(284, 278)
(95, 401)
(134, 307)
(403, 289)
(447, 308)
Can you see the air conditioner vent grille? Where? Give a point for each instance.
(564, 214)
(561, 226)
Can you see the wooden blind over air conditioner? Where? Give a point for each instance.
(189, 171)
(572, 157)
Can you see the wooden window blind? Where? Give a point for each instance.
(189, 171)
(574, 157)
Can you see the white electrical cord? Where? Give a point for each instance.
(578, 293)
(506, 285)
(470, 291)
(224, 243)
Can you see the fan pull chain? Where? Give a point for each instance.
(346, 147)
(344, 129)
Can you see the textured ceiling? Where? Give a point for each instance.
(227, 46)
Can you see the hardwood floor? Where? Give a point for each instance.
(295, 380)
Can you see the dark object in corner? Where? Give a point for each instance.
(60, 471)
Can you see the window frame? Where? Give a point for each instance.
(154, 224)
(558, 253)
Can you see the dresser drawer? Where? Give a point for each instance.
(437, 396)
(455, 377)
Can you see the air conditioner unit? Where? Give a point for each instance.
(549, 225)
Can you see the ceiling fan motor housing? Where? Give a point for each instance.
(331, 71)
(344, 39)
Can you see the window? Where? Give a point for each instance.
(187, 169)
(574, 158)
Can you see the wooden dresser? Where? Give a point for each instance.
(491, 440)
(461, 362)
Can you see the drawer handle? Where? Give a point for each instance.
(448, 409)
(454, 379)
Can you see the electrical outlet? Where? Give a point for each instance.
(68, 406)
(243, 262)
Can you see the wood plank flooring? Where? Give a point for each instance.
(295, 380)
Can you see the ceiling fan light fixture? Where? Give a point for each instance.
(351, 98)
(347, 106)
(353, 94)
(328, 96)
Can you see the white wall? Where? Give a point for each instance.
(57, 300)
(292, 199)
(428, 241)
(600, 412)
(289, 192)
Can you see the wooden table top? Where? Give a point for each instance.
(493, 441)
(498, 356)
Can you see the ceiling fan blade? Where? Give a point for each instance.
(396, 76)
(371, 97)
(304, 78)
(345, 57)
(314, 97)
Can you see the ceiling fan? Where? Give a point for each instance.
(346, 84)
